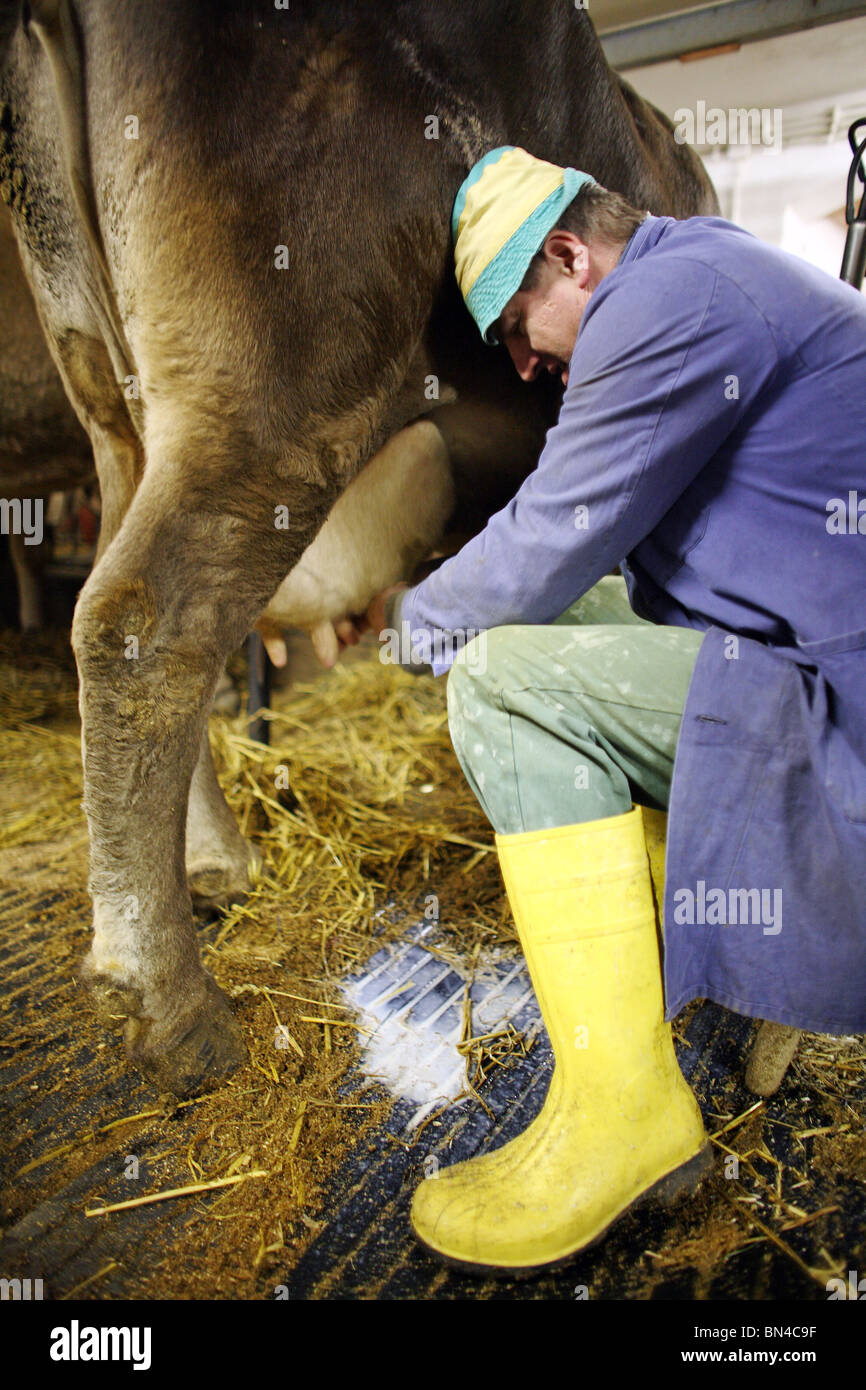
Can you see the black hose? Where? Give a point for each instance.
(854, 258)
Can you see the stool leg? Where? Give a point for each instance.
(772, 1052)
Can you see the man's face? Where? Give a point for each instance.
(539, 326)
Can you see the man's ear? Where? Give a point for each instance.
(567, 254)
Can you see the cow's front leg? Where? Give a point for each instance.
(175, 593)
(220, 863)
(143, 968)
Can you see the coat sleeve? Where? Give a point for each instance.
(670, 358)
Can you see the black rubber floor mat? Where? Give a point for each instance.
(714, 1246)
(367, 1249)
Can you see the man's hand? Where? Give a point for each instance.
(351, 629)
(374, 618)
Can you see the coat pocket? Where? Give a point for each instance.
(841, 660)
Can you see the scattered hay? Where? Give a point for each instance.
(363, 816)
(42, 785)
(365, 822)
(41, 766)
(484, 1051)
(37, 677)
(360, 801)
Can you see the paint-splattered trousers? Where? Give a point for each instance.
(571, 722)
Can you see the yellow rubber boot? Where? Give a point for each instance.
(655, 826)
(510, 1154)
(619, 1120)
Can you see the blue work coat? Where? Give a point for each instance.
(713, 432)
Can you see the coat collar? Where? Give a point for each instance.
(644, 238)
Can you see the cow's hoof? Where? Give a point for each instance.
(114, 1004)
(217, 880)
(210, 1051)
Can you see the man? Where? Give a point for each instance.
(710, 443)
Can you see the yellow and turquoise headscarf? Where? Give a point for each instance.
(503, 212)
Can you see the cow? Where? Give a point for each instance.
(235, 219)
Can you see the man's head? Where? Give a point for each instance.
(532, 241)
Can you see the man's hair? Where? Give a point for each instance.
(598, 216)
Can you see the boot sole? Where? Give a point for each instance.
(666, 1191)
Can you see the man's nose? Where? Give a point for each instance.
(525, 360)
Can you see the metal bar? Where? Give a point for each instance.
(733, 21)
(260, 688)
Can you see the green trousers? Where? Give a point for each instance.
(574, 721)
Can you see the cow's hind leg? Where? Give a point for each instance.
(219, 861)
(28, 564)
(193, 565)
